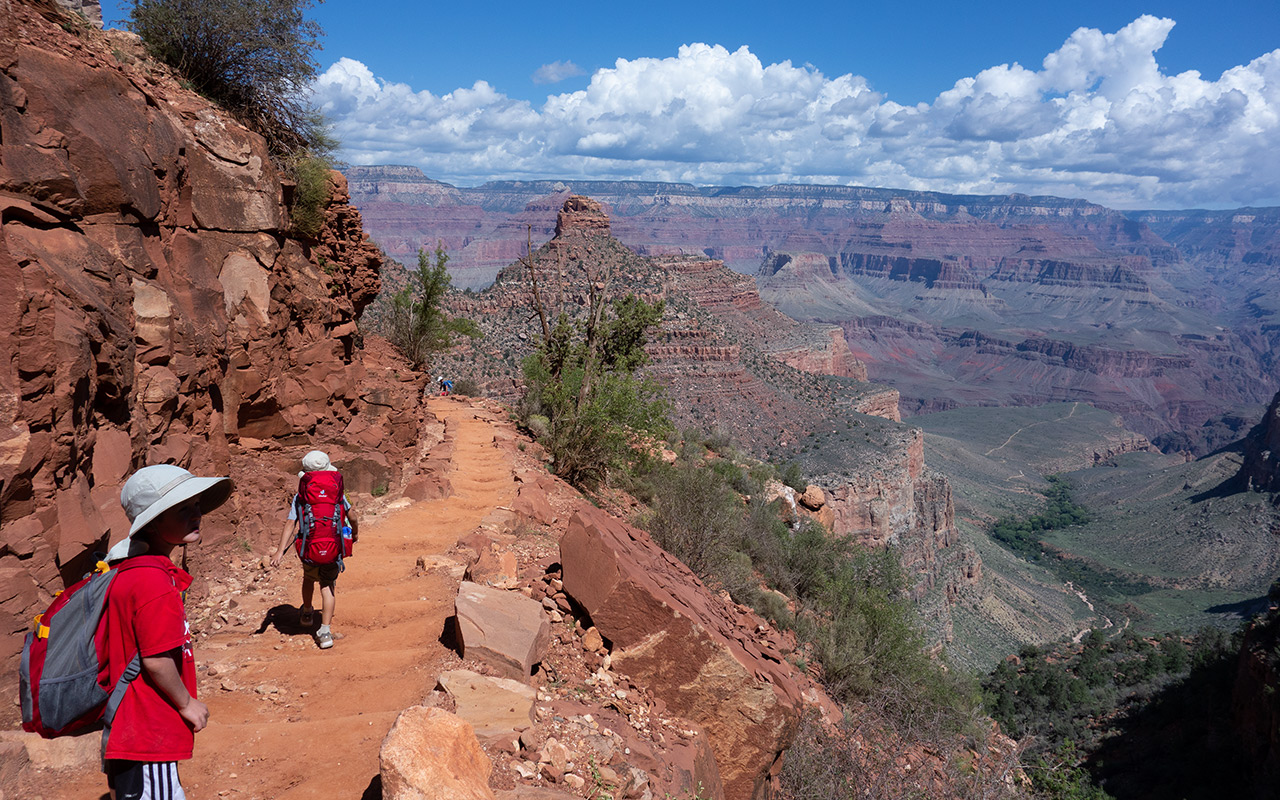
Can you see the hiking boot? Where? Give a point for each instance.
(324, 639)
(306, 616)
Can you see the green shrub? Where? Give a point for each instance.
(418, 324)
(583, 380)
(719, 441)
(538, 425)
(773, 607)
(311, 197)
(468, 387)
(252, 57)
(695, 517)
(793, 477)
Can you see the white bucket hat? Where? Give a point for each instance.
(151, 491)
(317, 461)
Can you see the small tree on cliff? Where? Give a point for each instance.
(252, 57)
(584, 399)
(419, 325)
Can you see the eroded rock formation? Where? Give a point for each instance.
(729, 361)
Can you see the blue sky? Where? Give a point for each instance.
(945, 96)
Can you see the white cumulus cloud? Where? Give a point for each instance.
(1098, 119)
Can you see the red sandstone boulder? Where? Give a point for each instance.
(494, 707)
(430, 754)
(813, 498)
(532, 503)
(505, 630)
(692, 649)
(495, 568)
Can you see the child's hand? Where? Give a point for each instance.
(196, 714)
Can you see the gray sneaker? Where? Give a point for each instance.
(324, 639)
(306, 616)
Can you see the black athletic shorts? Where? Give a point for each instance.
(144, 780)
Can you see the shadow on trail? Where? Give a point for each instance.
(284, 618)
(449, 637)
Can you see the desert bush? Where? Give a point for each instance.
(252, 57)
(719, 440)
(419, 325)
(820, 764)
(468, 387)
(791, 475)
(583, 379)
(766, 539)
(695, 517)
(734, 475)
(311, 197)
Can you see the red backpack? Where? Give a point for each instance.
(321, 518)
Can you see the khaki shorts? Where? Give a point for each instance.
(323, 574)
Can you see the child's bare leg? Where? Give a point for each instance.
(327, 604)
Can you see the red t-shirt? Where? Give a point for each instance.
(144, 614)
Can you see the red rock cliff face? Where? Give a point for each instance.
(156, 307)
(899, 503)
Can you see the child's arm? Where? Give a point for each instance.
(163, 671)
(286, 536)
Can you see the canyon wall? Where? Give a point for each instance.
(1255, 711)
(1260, 471)
(160, 309)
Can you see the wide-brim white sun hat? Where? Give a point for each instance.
(152, 490)
(317, 461)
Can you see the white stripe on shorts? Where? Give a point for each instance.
(160, 782)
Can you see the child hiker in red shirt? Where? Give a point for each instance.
(156, 723)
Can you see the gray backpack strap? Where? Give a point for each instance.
(113, 702)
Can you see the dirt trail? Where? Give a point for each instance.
(1069, 415)
(293, 721)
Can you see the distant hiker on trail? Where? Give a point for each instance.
(159, 715)
(323, 530)
(446, 386)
